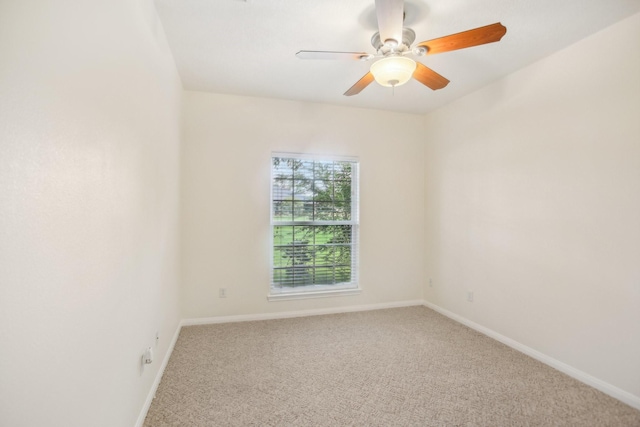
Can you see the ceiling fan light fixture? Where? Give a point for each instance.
(393, 71)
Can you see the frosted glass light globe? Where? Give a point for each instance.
(393, 70)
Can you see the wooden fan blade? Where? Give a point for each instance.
(390, 15)
(428, 77)
(478, 36)
(361, 84)
(320, 54)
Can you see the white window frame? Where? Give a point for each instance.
(315, 291)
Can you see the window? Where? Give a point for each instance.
(314, 222)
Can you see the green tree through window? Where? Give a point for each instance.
(314, 223)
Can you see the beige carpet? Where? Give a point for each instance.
(396, 367)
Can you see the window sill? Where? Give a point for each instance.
(313, 294)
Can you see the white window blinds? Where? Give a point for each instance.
(314, 221)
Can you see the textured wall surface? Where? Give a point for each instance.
(89, 172)
(226, 163)
(533, 203)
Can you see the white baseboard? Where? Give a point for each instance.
(156, 382)
(300, 313)
(613, 391)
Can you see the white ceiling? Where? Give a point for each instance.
(248, 47)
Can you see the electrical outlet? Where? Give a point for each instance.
(430, 283)
(470, 296)
(222, 292)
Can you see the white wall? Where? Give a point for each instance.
(533, 203)
(228, 142)
(89, 170)
(532, 188)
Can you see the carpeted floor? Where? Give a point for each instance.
(396, 367)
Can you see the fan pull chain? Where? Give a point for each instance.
(393, 84)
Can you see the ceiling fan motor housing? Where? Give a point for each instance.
(408, 37)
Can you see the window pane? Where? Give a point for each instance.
(282, 168)
(323, 191)
(342, 211)
(324, 276)
(342, 191)
(285, 276)
(303, 234)
(283, 211)
(323, 211)
(342, 170)
(281, 257)
(343, 274)
(303, 211)
(343, 255)
(323, 170)
(302, 276)
(282, 235)
(326, 234)
(282, 189)
(303, 169)
(341, 233)
(281, 278)
(300, 255)
(324, 255)
(303, 189)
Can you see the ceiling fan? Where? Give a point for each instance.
(393, 45)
